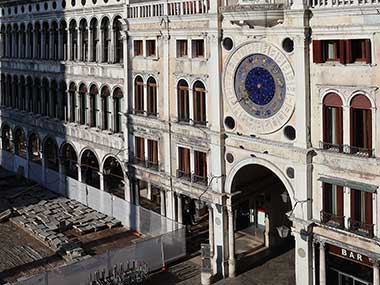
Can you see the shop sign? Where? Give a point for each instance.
(349, 254)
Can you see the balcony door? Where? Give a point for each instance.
(361, 125)
(332, 121)
(332, 205)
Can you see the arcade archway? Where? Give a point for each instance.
(260, 203)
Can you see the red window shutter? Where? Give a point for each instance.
(348, 49)
(368, 208)
(339, 194)
(342, 52)
(317, 51)
(368, 58)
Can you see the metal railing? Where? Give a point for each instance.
(201, 180)
(332, 220)
(183, 175)
(360, 228)
(347, 149)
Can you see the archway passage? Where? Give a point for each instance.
(70, 161)
(90, 169)
(113, 177)
(260, 202)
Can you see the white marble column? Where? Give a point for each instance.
(162, 201)
(149, 191)
(322, 264)
(179, 209)
(79, 173)
(137, 193)
(111, 51)
(231, 244)
(211, 229)
(80, 43)
(376, 277)
(69, 43)
(101, 180)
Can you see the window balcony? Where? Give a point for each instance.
(201, 180)
(360, 228)
(332, 220)
(183, 175)
(347, 149)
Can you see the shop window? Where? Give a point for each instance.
(200, 170)
(361, 218)
(139, 150)
(182, 48)
(332, 212)
(152, 154)
(150, 48)
(198, 48)
(183, 163)
(332, 123)
(138, 48)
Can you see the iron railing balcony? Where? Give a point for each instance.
(360, 228)
(347, 149)
(201, 180)
(183, 175)
(332, 220)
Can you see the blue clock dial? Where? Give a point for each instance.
(260, 86)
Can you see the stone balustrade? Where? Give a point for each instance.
(326, 4)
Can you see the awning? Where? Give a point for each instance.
(350, 184)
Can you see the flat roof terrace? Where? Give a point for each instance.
(40, 230)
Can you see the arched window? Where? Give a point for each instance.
(6, 138)
(106, 38)
(63, 114)
(64, 38)
(83, 29)
(94, 93)
(105, 108)
(117, 29)
(139, 95)
(10, 43)
(30, 50)
(73, 33)
(113, 177)
(54, 100)
(51, 154)
(46, 41)
(22, 94)
(70, 161)
(90, 169)
(3, 90)
(4, 42)
(29, 90)
(45, 97)
(199, 93)
(34, 148)
(152, 97)
(361, 126)
(117, 105)
(9, 91)
(72, 91)
(333, 123)
(20, 143)
(54, 44)
(16, 36)
(37, 93)
(23, 41)
(94, 39)
(82, 104)
(15, 97)
(38, 38)
(183, 101)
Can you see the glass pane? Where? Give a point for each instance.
(331, 50)
(345, 280)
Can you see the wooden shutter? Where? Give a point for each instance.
(339, 198)
(339, 122)
(367, 129)
(368, 207)
(341, 51)
(348, 49)
(317, 51)
(368, 57)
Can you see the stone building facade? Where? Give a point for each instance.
(263, 115)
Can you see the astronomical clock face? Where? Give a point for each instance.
(259, 86)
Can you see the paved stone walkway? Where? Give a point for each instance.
(278, 270)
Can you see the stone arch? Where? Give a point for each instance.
(113, 175)
(20, 144)
(69, 160)
(90, 168)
